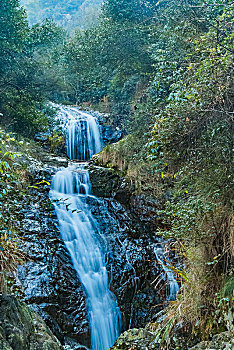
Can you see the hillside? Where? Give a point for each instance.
(116, 176)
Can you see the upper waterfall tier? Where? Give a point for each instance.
(83, 137)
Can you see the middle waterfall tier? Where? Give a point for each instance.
(80, 232)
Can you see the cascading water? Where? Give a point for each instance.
(70, 190)
(82, 133)
(172, 284)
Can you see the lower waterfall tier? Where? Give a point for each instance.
(81, 235)
(50, 283)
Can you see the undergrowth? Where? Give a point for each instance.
(188, 158)
(15, 155)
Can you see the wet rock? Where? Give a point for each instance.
(130, 261)
(127, 231)
(107, 182)
(146, 209)
(142, 313)
(110, 130)
(42, 137)
(22, 329)
(104, 181)
(56, 161)
(111, 135)
(71, 345)
(123, 193)
(50, 284)
(222, 341)
(134, 339)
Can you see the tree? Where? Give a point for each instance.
(134, 11)
(13, 32)
(24, 78)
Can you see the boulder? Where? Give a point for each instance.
(130, 262)
(42, 137)
(22, 329)
(134, 339)
(222, 341)
(105, 182)
(111, 135)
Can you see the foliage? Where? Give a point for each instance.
(199, 310)
(10, 190)
(130, 56)
(186, 217)
(191, 145)
(188, 96)
(134, 10)
(196, 121)
(27, 75)
(163, 69)
(10, 257)
(109, 59)
(56, 141)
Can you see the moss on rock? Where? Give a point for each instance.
(105, 181)
(222, 341)
(134, 339)
(22, 329)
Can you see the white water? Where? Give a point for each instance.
(172, 284)
(82, 133)
(70, 190)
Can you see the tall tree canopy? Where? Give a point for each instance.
(24, 55)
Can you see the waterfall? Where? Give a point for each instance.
(82, 133)
(172, 284)
(80, 232)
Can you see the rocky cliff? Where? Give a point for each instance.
(49, 283)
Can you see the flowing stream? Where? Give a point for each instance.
(69, 190)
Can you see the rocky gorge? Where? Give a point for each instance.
(55, 312)
(50, 285)
(116, 153)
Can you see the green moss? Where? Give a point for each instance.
(22, 329)
(138, 339)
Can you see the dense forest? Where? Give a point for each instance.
(162, 71)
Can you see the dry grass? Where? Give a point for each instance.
(206, 297)
(10, 257)
(139, 173)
